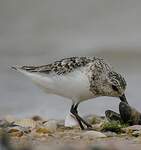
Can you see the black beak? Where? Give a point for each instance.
(123, 98)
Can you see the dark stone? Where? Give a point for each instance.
(127, 115)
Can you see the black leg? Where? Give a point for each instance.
(82, 120)
(75, 113)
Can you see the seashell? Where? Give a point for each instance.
(26, 123)
(50, 125)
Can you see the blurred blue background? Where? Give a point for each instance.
(39, 32)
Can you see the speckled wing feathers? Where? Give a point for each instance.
(63, 66)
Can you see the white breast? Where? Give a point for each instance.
(74, 85)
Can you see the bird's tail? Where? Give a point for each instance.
(23, 69)
(14, 67)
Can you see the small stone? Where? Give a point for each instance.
(42, 130)
(94, 119)
(92, 135)
(98, 126)
(70, 120)
(60, 123)
(110, 134)
(15, 131)
(131, 129)
(136, 133)
(51, 125)
(18, 129)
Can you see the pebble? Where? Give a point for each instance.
(60, 123)
(93, 119)
(18, 129)
(51, 125)
(136, 133)
(110, 134)
(131, 129)
(15, 131)
(70, 121)
(92, 135)
(98, 126)
(42, 130)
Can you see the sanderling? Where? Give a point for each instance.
(79, 79)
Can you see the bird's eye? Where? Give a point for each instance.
(115, 88)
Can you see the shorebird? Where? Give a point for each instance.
(79, 79)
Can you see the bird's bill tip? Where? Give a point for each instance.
(123, 98)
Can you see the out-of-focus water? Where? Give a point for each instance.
(39, 32)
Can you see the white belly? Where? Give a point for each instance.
(74, 85)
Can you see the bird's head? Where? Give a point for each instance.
(114, 85)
